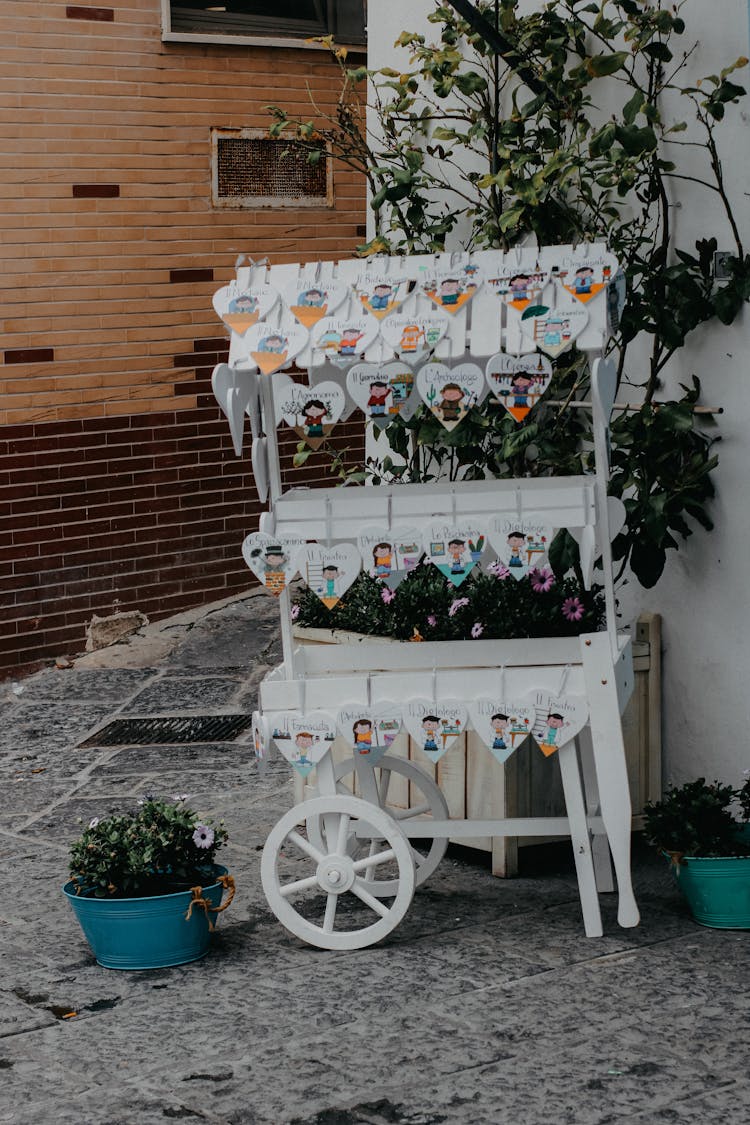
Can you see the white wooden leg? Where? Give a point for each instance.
(605, 881)
(611, 768)
(580, 839)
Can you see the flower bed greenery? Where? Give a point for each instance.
(488, 605)
(158, 848)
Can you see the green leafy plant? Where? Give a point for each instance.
(569, 123)
(427, 607)
(695, 819)
(158, 848)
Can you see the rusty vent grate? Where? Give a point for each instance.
(253, 171)
(173, 731)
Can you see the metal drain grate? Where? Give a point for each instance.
(163, 729)
(250, 169)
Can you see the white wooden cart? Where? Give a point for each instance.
(338, 870)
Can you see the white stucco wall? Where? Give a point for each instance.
(704, 595)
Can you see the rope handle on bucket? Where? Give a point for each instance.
(227, 882)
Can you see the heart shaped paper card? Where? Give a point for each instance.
(558, 719)
(553, 330)
(380, 294)
(272, 559)
(270, 349)
(342, 339)
(233, 391)
(519, 286)
(413, 337)
(303, 739)
(370, 730)
(520, 544)
(503, 725)
(309, 303)
(452, 289)
(586, 275)
(381, 392)
(329, 571)
(388, 556)
(435, 726)
(454, 550)
(312, 412)
(518, 382)
(240, 308)
(449, 392)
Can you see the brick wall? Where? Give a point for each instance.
(118, 485)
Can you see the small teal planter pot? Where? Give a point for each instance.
(148, 933)
(717, 891)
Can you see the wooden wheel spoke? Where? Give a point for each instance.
(330, 915)
(305, 846)
(407, 814)
(373, 860)
(342, 835)
(298, 885)
(369, 900)
(385, 781)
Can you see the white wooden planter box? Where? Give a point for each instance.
(475, 786)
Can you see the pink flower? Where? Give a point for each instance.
(431, 620)
(477, 629)
(572, 609)
(499, 569)
(456, 605)
(387, 595)
(542, 581)
(294, 612)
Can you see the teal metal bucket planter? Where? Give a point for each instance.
(152, 932)
(717, 891)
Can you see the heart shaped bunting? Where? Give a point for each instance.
(454, 550)
(380, 294)
(388, 556)
(381, 392)
(413, 337)
(518, 285)
(240, 308)
(452, 289)
(312, 412)
(520, 544)
(435, 726)
(558, 719)
(518, 382)
(503, 725)
(329, 571)
(303, 739)
(370, 730)
(309, 303)
(553, 330)
(233, 391)
(586, 275)
(272, 559)
(449, 392)
(342, 339)
(273, 348)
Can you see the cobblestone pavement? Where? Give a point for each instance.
(487, 1004)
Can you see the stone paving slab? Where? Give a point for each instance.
(486, 1006)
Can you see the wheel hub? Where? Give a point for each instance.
(336, 874)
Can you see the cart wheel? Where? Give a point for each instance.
(326, 882)
(429, 802)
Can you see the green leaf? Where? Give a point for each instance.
(601, 65)
(631, 108)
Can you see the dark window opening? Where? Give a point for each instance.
(292, 19)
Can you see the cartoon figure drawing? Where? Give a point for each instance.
(377, 402)
(312, 299)
(520, 386)
(303, 741)
(553, 332)
(456, 549)
(274, 343)
(350, 337)
(519, 287)
(430, 726)
(451, 403)
(362, 736)
(583, 280)
(330, 341)
(499, 724)
(411, 336)
(330, 578)
(274, 578)
(554, 724)
(382, 560)
(449, 291)
(315, 412)
(381, 297)
(245, 303)
(516, 541)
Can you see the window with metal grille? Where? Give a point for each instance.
(251, 169)
(283, 22)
